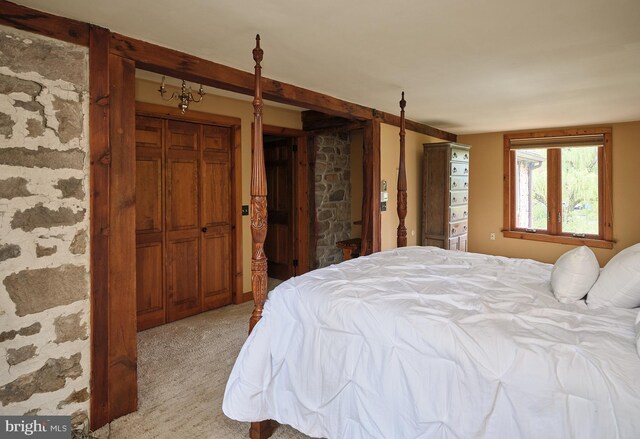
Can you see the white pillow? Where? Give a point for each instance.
(619, 283)
(574, 273)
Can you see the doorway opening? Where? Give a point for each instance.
(288, 240)
(279, 152)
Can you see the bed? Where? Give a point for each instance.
(420, 342)
(424, 342)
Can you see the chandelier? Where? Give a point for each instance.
(185, 97)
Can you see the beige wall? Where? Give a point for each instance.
(147, 91)
(389, 156)
(485, 207)
(357, 148)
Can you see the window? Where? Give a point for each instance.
(558, 186)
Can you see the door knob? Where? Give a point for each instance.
(204, 230)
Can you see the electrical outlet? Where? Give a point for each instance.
(492, 236)
(245, 210)
(413, 233)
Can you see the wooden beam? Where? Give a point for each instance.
(315, 120)
(42, 23)
(192, 68)
(421, 128)
(123, 383)
(99, 184)
(180, 65)
(354, 125)
(371, 224)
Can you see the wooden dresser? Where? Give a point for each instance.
(445, 195)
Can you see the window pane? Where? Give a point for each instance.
(580, 190)
(531, 189)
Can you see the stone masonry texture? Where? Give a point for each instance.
(44, 218)
(333, 195)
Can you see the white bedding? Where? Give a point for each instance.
(425, 343)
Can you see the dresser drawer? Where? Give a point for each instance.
(459, 197)
(460, 155)
(459, 183)
(458, 213)
(459, 169)
(458, 228)
(458, 243)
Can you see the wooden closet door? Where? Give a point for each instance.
(150, 296)
(184, 297)
(215, 216)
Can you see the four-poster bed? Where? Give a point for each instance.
(425, 342)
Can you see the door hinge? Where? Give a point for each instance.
(295, 262)
(295, 147)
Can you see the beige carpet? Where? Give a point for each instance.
(182, 372)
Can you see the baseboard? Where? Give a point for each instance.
(246, 297)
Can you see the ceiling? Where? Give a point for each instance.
(466, 66)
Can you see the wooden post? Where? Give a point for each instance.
(263, 429)
(123, 378)
(258, 199)
(371, 220)
(100, 158)
(402, 182)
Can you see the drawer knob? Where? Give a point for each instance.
(453, 215)
(466, 156)
(455, 200)
(466, 184)
(454, 184)
(465, 213)
(466, 171)
(464, 228)
(455, 170)
(465, 199)
(455, 155)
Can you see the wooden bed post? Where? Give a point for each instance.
(402, 182)
(258, 200)
(263, 429)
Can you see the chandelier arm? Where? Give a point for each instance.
(185, 97)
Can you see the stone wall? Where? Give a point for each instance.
(44, 224)
(333, 195)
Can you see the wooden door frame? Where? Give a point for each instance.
(302, 237)
(234, 123)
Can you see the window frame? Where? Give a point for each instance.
(553, 232)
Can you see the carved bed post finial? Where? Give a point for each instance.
(258, 199)
(402, 182)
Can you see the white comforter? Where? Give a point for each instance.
(425, 343)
